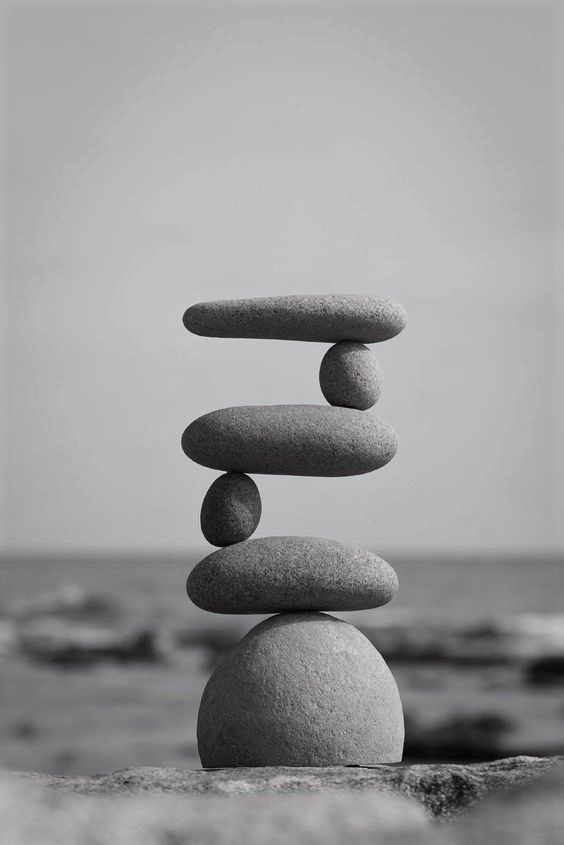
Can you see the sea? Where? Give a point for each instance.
(108, 715)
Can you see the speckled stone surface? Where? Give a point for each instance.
(350, 376)
(231, 509)
(325, 317)
(301, 689)
(276, 574)
(290, 440)
(444, 789)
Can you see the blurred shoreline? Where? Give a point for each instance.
(104, 659)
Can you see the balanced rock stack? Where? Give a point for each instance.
(302, 688)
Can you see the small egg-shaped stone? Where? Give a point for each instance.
(231, 509)
(350, 376)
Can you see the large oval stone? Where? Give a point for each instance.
(274, 574)
(231, 509)
(350, 376)
(301, 689)
(327, 318)
(290, 440)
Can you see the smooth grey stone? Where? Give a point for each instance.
(231, 509)
(301, 689)
(349, 376)
(290, 440)
(276, 574)
(325, 317)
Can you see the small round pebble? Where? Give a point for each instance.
(301, 689)
(231, 509)
(350, 376)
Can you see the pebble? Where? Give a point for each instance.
(290, 440)
(349, 376)
(326, 318)
(276, 574)
(231, 510)
(301, 689)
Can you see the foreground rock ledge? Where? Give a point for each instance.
(442, 788)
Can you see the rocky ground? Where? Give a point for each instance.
(517, 800)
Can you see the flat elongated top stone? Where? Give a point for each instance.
(279, 574)
(290, 440)
(327, 318)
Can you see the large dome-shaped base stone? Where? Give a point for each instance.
(301, 689)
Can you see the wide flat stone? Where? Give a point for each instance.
(314, 440)
(442, 788)
(301, 689)
(277, 574)
(327, 318)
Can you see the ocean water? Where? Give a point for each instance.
(466, 587)
(109, 716)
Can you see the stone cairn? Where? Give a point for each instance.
(302, 688)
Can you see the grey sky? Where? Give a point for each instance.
(161, 157)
